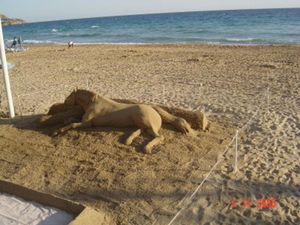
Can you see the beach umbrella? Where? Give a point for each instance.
(4, 66)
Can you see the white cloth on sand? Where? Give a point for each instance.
(17, 211)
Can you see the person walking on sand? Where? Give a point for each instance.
(20, 42)
(70, 44)
(15, 40)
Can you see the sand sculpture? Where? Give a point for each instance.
(94, 110)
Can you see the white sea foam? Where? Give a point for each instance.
(38, 42)
(278, 27)
(239, 39)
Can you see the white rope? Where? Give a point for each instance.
(19, 99)
(51, 89)
(221, 157)
(268, 101)
(236, 151)
(87, 84)
(20, 106)
(256, 112)
(164, 93)
(205, 178)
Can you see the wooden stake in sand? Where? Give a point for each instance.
(236, 151)
(5, 75)
(164, 93)
(268, 101)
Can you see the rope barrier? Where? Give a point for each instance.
(20, 106)
(56, 88)
(222, 156)
(201, 83)
(205, 178)
(256, 112)
(236, 151)
(19, 97)
(164, 93)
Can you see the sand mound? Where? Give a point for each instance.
(94, 167)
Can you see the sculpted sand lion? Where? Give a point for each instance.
(101, 111)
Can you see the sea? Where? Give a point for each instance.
(231, 27)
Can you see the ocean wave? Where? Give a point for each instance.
(36, 42)
(112, 43)
(63, 34)
(239, 39)
(197, 27)
(74, 35)
(247, 41)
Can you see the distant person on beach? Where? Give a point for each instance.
(20, 42)
(14, 44)
(70, 44)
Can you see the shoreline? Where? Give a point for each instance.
(234, 27)
(179, 43)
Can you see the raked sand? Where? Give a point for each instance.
(252, 92)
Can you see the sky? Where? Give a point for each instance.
(39, 10)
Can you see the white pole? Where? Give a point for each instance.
(268, 100)
(236, 151)
(87, 84)
(164, 92)
(5, 75)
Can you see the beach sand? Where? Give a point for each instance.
(252, 91)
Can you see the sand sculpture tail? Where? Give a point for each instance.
(188, 122)
(180, 123)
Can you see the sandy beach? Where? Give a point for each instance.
(250, 94)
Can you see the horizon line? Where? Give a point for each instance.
(139, 14)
